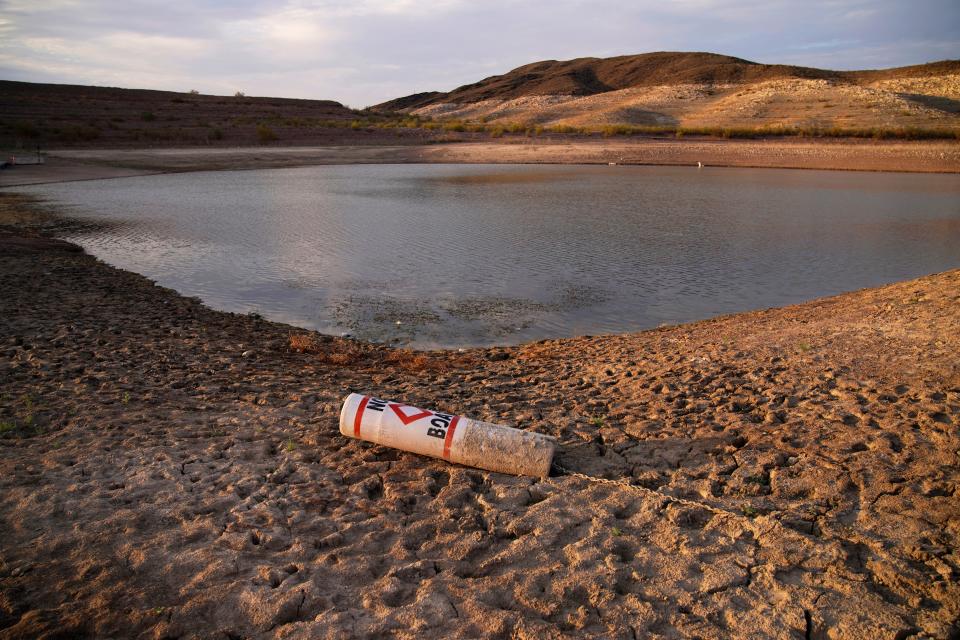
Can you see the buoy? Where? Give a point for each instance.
(699, 165)
(453, 438)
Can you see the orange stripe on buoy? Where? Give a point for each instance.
(356, 420)
(448, 440)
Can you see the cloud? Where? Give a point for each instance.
(367, 51)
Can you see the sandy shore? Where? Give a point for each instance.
(864, 155)
(171, 471)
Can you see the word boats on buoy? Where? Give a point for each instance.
(453, 438)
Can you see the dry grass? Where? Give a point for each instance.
(343, 357)
(343, 353)
(414, 361)
(909, 109)
(303, 343)
(338, 352)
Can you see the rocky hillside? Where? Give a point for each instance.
(55, 116)
(700, 90)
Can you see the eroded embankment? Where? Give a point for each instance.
(171, 471)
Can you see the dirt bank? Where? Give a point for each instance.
(171, 471)
(865, 155)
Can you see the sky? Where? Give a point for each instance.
(367, 51)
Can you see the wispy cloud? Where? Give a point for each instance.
(366, 51)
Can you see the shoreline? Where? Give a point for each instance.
(174, 470)
(835, 155)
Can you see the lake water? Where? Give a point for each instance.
(459, 255)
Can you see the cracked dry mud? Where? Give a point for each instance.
(168, 471)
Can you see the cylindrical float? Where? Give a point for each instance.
(473, 443)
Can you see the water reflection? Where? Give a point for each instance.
(455, 255)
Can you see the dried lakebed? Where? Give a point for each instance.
(173, 471)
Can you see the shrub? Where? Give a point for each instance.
(620, 130)
(565, 128)
(265, 134)
(303, 343)
(239, 94)
(148, 116)
(340, 353)
(26, 129)
(79, 133)
(412, 361)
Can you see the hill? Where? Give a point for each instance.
(699, 89)
(52, 115)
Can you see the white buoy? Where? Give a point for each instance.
(456, 439)
(699, 165)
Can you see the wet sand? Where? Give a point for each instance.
(171, 471)
(60, 170)
(860, 155)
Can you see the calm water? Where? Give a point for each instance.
(456, 255)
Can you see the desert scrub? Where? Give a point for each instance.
(26, 129)
(78, 133)
(616, 129)
(567, 129)
(877, 133)
(265, 134)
